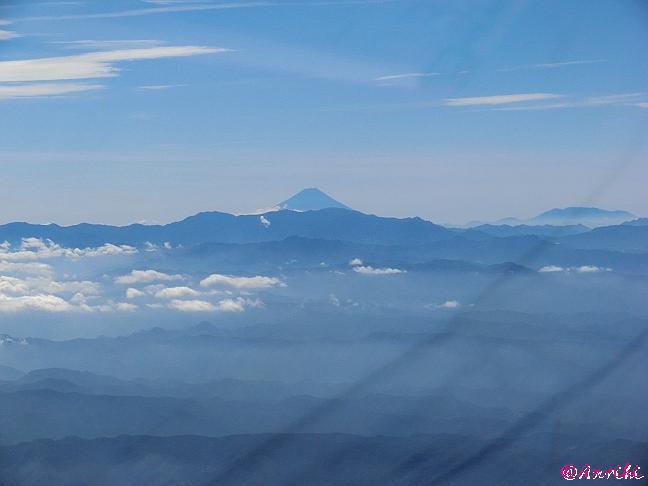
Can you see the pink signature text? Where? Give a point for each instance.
(571, 472)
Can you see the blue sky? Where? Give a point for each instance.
(136, 110)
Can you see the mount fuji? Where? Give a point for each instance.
(311, 199)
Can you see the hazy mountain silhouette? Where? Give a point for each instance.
(592, 217)
(629, 238)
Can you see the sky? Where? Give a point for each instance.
(451, 110)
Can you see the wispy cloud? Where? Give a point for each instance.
(99, 64)
(169, 6)
(553, 65)
(24, 78)
(160, 87)
(624, 99)
(449, 304)
(163, 9)
(500, 99)
(397, 77)
(615, 99)
(8, 34)
(551, 269)
(100, 45)
(44, 90)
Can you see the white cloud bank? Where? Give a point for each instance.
(192, 306)
(39, 249)
(237, 305)
(591, 269)
(231, 305)
(241, 283)
(367, 270)
(20, 268)
(449, 304)
(176, 293)
(145, 276)
(46, 303)
(132, 293)
(44, 294)
(580, 269)
(30, 286)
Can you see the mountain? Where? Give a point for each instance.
(330, 223)
(624, 238)
(552, 231)
(637, 222)
(592, 217)
(310, 199)
(9, 373)
(572, 216)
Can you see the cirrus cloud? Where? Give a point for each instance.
(500, 99)
(91, 65)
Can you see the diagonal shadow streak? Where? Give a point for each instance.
(530, 420)
(454, 326)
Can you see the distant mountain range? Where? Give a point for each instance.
(592, 217)
(330, 223)
(313, 214)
